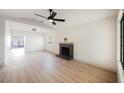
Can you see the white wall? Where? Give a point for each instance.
(34, 41)
(2, 40)
(7, 40)
(50, 39)
(94, 42)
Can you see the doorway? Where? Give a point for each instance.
(17, 45)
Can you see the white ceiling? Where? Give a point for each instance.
(25, 27)
(72, 16)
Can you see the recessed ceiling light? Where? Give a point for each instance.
(34, 29)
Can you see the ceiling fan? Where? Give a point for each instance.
(51, 18)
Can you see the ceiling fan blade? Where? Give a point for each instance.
(62, 20)
(53, 23)
(40, 15)
(42, 21)
(53, 15)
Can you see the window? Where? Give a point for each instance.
(17, 42)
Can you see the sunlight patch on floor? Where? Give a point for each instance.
(17, 52)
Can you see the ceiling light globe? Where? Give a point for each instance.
(50, 20)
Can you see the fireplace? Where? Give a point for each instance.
(66, 51)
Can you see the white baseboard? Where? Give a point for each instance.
(120, 72)
(99, 65)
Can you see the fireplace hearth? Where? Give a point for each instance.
(66, 51)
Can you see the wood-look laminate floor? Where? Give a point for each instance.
(45, 67)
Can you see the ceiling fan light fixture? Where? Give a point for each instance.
(50, 20)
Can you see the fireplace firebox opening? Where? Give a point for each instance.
(66, 51)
